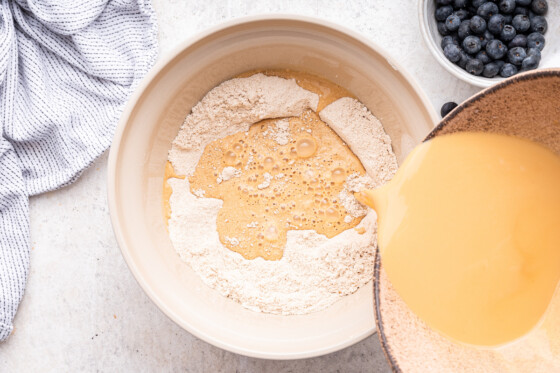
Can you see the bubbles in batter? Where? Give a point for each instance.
(338, 175)
(306, 147)
(278, 187)
(230, 157)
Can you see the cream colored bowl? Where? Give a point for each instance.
(152, 119)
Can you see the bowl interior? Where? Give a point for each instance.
(153, 119)
(525, 106)
(550, 54)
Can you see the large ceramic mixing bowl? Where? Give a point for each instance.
(152, 119)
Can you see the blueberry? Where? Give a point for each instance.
(447, 107)
(487, 10)
(530, 63)
(496, 49)
(521, 10)
(517, 55)
(483, 57)
(452, 23)
(443, 2)
(519, 40)
(477, 3)
(491, 70)
(452, 52)
(462, 14)
(443, 12)
(449, 39)
(538, 24)
(462, 63)
(508, 70)
(521, 23)
(442, 29)
(496, 24)
(464, 29)
(508, 33)
(523, 2)
(535, 40)
(474, 66)
(478, 25)
(506, 6)
(534, 52)
(487, 37)
(472, 44)
(460, 4)
(500, 63)
(539, 6)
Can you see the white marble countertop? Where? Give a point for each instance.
(83, 310)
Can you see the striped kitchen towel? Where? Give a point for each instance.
(66, 69)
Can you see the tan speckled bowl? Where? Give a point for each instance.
(152, 119)
(528, 106)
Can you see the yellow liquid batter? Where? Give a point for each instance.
(304, 177)
(469, 233)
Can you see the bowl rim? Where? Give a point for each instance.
(122, 124)
(528, 75)
(437, 52)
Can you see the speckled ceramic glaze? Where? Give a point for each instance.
(528, 106)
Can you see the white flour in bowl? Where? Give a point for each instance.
(314, 271)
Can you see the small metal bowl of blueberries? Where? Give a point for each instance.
(485, 41)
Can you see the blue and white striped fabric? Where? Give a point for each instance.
(66, 69)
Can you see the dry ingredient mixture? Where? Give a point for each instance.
(240, 145)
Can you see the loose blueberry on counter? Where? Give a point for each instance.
(508, 70)
(536, 40)
(453, 22)
(518, 41)
(517, 55)
(491, 70)
(521, 23)
(539, 6)
(496, 24)
(506, 6)
(474, 66)
(443, 12)
(496, 49)
(472, 44)
(530, 63)
(538, 24)
(487, 10)
(452, 52)
(508, 33)
(447, 107)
